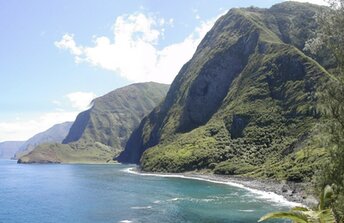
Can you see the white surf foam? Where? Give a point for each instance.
(265, 195)
(246, 210)
(141, 207)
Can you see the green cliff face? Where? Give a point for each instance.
(101, 132)
(244, 104)
(113, 116)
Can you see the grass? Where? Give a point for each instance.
(264, 124)
(101, 132)
(70, 153)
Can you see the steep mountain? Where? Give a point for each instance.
(101, 132)
(244, 104)
(9, 148)
(54, 134)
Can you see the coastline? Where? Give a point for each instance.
(289, 194)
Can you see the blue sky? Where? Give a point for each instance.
(57, 55)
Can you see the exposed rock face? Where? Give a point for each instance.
(101, 132)
(238, 126)
(78, 127)
(247, 95)
(212, 83)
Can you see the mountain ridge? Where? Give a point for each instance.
(245, 104)
(54, 134)
(9, 148)
(101, 132)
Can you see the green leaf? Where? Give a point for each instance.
(300, 209)
(294, 216)
(327, 216)
(326, 198)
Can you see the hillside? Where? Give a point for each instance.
(54, 134)
(245, 104)
(9, 148)
(101, 132)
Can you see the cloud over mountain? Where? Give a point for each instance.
(133, 50)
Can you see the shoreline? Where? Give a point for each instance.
(289, 194)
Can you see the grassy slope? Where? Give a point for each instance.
(101, 132)
(268, 143)
(113, 116)
(55, 134)
(244, 104)
(70, 153)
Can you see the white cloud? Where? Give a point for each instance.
(81, 100)
(57, 102)
(133, 53)
(67, 42)
(21, 129)
(317, 2)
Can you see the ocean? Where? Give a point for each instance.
(114, 194)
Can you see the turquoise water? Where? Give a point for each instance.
(108, 193)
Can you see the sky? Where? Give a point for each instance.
(57, 56)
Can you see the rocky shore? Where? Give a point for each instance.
(295, 193)
(291, 191)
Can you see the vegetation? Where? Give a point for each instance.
(245, 104)
(70, 153)
(323, 214)
(330, 38)
(55, 134)
(100, 133)
(114, 116)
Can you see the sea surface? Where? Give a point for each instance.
(111, 194)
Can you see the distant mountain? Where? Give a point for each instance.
(245, 104)
(101, 132)
(54, 134)
(113, 116)
(9, 148)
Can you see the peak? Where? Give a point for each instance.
(142, 84)
(293, 6)
(150, 82)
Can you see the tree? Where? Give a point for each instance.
(323, 214)
(330, 37)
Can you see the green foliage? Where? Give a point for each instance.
(253, 126)
(80, 152)
(187, 154)
(114, 116)
(323, 214)
(301, 215)
(230, 168)
(244, 104)
(101, 132)
(330, 38)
